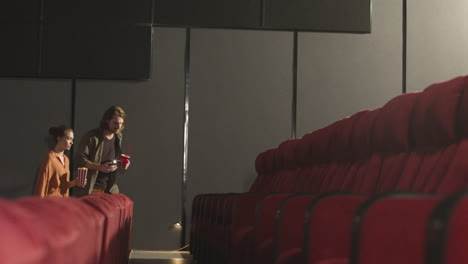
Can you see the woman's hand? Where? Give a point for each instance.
(75, 183)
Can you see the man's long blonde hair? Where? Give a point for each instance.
(109, 114)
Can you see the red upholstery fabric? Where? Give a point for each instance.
(416, 142)
(336, 181)
(392, 167)
(462, 115)
(456, 177)
(224, 244)
(334, 261)
(290, 229)
(287, 154)
(207, 221)
(214, 234)
(290, 256)
(63, 230)
(260, 162)
(457, 236)
(64, 224)
(243, 221)
(265, 224)
(271, 162)
(111, 247)
(262, 178)
(328, 176)
(393, 231)
(361, 138)
(20, 241)
(435, 114)
(313, 147)
(194, 219)
(329, 226)
(125, 206)
(287, 181)
(432, 169)
(392, 124)
(368, 176)
(339, 144)
(309, 179)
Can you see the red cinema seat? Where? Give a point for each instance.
(289, 232)
(121, 203)
(264, 228)
(111, 247)
(392, 230)
(456, 248)
(328, 227)
(20, 240)
(64, 224)
(448, 231)
(241, 231)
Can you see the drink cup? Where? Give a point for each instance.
(82, 173)
(124, 160)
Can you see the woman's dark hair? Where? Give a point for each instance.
(109, 114)
(55, 132)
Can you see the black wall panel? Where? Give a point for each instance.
(103, 11)
(20, 10)
(228, 14)
(19, 31)
(97, 52)
(208, 13)
(169, 12)
(97, 39)
(318, 15)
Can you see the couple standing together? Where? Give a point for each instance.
(96, 151)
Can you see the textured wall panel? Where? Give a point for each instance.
(29, 108)
(240, 105)
(154, 132)
(341, 74)
(437, 42)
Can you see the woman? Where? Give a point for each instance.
(54, 175)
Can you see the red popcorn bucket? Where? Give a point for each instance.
(82, 173)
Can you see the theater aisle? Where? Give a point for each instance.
(160, 257)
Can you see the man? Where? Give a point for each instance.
(98, 150)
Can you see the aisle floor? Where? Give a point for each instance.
(160, 257)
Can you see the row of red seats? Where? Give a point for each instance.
(92, 229)
(415, 143)
(336, 228)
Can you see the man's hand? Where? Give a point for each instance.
(107, 167)
(127, 165)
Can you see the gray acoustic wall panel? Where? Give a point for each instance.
(318, 15)
(154, 131)
(437, 42)
(240, 105)
(30, 107)
(341, 74)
